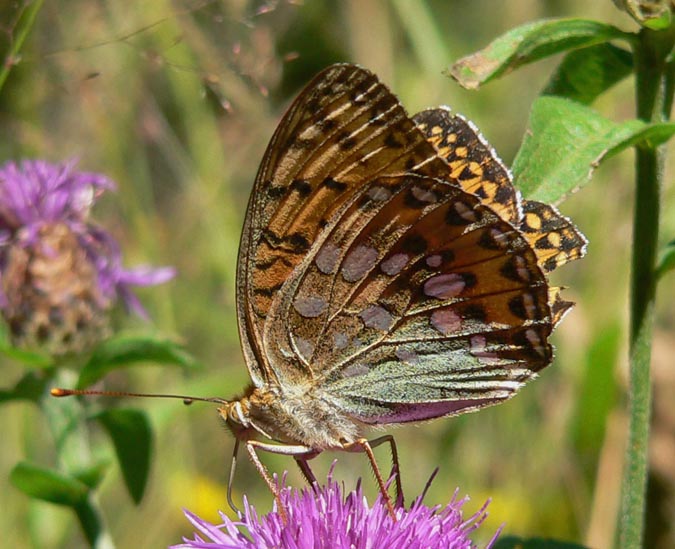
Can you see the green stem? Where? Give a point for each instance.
(23, 27)
(654, 98)
(67, 422)
(92, 525)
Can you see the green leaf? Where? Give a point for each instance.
(528, 43)
(92, 476)
(567, 141)
(30, 387)
(48, 484)
(663, 21)
(132, 437)
(125, 351)
(586, 73)
(514, 542)
(667, 260)
(31, 359)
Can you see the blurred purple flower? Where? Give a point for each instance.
(59, 272)
(325, 518)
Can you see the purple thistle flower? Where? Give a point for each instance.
(323, 517)
(59, 272)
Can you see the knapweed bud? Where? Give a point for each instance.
(60, 274)
(53, 300)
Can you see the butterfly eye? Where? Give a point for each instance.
(234, 415)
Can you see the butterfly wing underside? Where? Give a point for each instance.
(400, 288)
(420, 302)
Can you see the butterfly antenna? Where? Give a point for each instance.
(59, 392)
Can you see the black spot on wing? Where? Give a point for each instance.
(302, 187)
(474, 312)
(391, 142)
(275, 192)
(334, 185)
(299, 243)
(517, 307)
(415, 244)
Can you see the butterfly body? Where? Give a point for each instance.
(295, 416)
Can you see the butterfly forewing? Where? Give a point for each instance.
(553, 237)
(343, 130)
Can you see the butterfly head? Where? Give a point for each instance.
(245, 416)
(235, 415)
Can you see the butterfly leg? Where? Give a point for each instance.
(363, 445)
(296, 451)
(306, 470)
(396, 468)
(230, 481)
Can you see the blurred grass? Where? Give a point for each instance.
(176, 102)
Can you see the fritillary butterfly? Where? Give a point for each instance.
(388, 272)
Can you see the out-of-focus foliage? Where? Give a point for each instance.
(176, 102)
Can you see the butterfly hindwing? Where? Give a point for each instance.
(553, 237)
(418, 294)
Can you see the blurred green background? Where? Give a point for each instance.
(176, 101)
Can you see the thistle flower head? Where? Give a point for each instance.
(325, 517)
(59, 272)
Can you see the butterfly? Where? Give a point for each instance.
(388, 272)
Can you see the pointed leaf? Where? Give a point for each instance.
(30, 387)
(586, 73)
(567, 141)
(651, 135)
(132, 437)
(125, 351)
(667, 260)
(48, 484)
(529, 43)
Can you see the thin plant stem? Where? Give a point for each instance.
(654, 98)
(89, 517)
(23, 28)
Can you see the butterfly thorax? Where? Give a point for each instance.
(296, 416)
